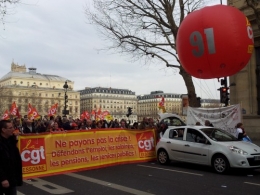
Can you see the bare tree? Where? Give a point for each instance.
(145, 29)
(5, 10)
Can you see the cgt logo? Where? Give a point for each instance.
(33, 155)
(146, 145)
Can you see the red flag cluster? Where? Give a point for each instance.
(32, 112)
(96, 115)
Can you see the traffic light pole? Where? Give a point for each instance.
(65, 111)
(224, 94)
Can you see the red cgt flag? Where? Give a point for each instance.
(30, 108)
(161, 103)
(85, 115)
(6, 115)
(34, 114)
(14, 110)
(53, 110)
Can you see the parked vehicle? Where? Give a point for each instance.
(207, 146)
(171, 119)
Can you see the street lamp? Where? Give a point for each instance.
(65, 111)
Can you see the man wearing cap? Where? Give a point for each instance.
(10, 160)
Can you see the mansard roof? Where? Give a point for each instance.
(106, 90)
(35, 75)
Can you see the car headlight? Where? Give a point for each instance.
(237, 150)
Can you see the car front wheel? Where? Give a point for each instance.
(220, 164)
(163, 157)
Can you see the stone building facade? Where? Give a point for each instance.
(148, 104)
(116, 101)
(40, 90)
(245, 85)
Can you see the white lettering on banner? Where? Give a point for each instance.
(34, 156)
(146, 144)
(225, 118)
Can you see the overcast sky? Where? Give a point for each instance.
(54, 37)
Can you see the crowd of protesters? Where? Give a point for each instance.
(59, 123)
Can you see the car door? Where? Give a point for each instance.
(175, 142)
(195, 147)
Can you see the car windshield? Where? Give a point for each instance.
(218, 134)
(173, 121)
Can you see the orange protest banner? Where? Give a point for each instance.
(71, 151)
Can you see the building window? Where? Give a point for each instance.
(46, 95)
(40, 83)
(40, 94)
(21, 82)
(52, 95)
(46, 84)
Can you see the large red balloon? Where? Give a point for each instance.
(214, 42)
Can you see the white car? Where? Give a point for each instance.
(171, 119)
(207, 146)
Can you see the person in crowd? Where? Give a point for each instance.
(55, 127)
(123, 124)
(74, 126)
(99, 125)
(28, 126)
(135, 125)
(65, 124)
(111, 124)
(240, 131)
(10, 160)
(93, 124)
(151, 124)
(162, 128)
(116, 124)
(48, 129)
(82, 126)
(59, 121)
(17, 123)
(88, 124)
(40, 126)
(144, 124)
(208, 123)
(128, 124)
(104, 124)
(51, 121)
(45, 118)
(198, 123)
